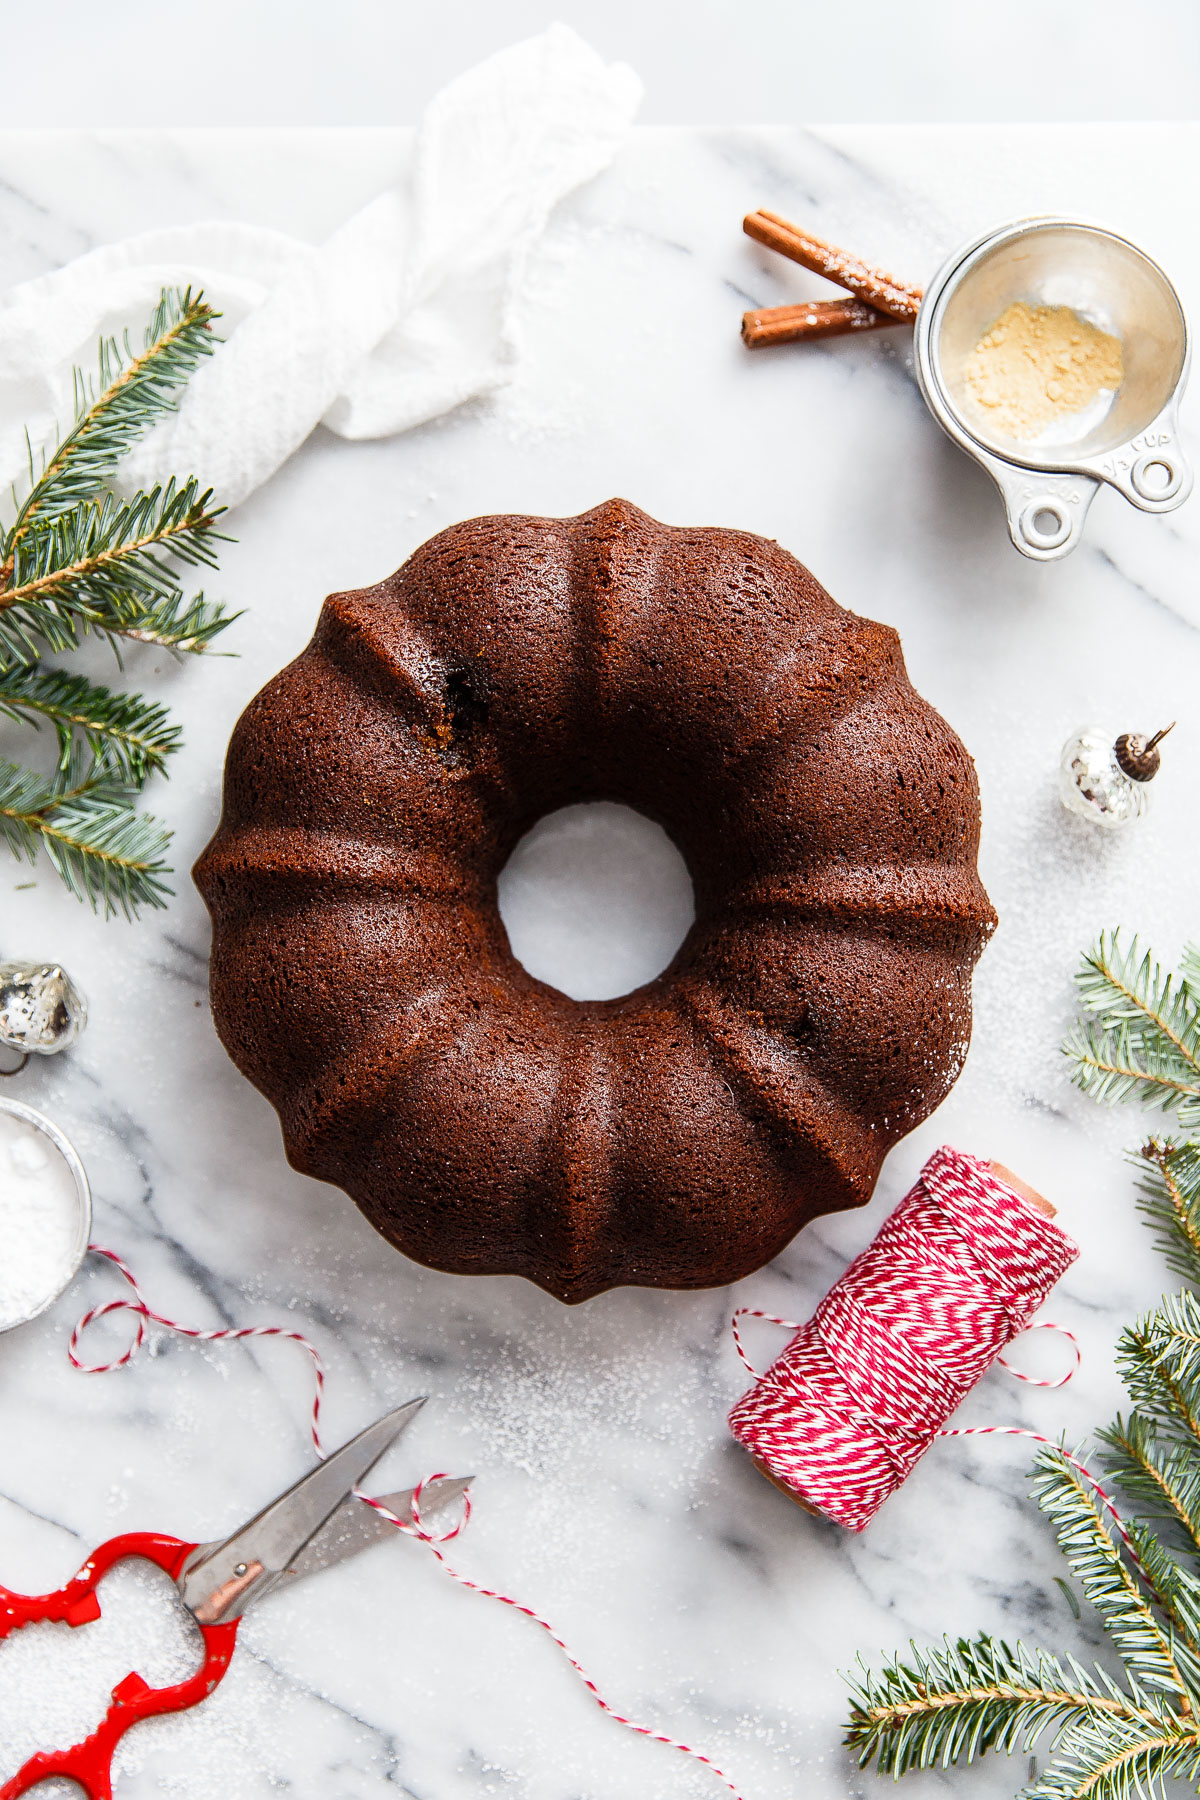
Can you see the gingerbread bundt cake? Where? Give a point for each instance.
(361, 977)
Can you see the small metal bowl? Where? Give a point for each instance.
(83, 1200)
(1049, 482)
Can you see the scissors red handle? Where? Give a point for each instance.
(90, 1763)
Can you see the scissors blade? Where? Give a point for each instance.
(355, 1527)
(219, 1582)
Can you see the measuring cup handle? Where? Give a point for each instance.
(1152, 470)
(1045, 512)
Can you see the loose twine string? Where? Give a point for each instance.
(858, 1395)
(417, 1528)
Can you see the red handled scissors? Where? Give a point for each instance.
(317, 1523)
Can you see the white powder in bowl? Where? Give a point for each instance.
(39, 1219)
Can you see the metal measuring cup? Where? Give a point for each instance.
(83, 1203)
(1047, 486)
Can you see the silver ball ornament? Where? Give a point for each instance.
(41, 1009)
(1104, 779)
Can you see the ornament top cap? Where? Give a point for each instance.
(1138, 754)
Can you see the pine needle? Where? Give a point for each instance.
(135, 734)
(79, 561)
(82, 815)
(132, 393)
(106, 567)
(1139, 1036)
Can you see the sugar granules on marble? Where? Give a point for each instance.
(39, 1219)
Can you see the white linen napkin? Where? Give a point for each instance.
(406, 311)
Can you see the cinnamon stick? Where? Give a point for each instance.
(817, 319)
(873, 287)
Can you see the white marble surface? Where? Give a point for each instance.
(608, 1492)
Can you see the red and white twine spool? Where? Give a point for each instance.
(842, 1417)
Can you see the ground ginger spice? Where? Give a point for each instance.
(1038, 363)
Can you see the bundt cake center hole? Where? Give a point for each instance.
(596, 900)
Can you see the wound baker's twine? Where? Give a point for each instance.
(415, 1527)
(1102, 1494)
(860, 1393)
(752, 1312)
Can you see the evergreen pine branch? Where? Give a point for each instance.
(949, 1706)
(1159, 1359)
(1142, 1036)
(106, 567)
(1189, 971)
(1101, 1569)
(1169, 1197)
(1128, 986)
(1158, 1473)
(135, 391)
(1112, 1065)
(1159, 1381)
(953, 1703)
(1176, 1591)
(78, 560)
(133, 734)
(1109, 1757)
(108, 854)
(82, 815)
(175, 623)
